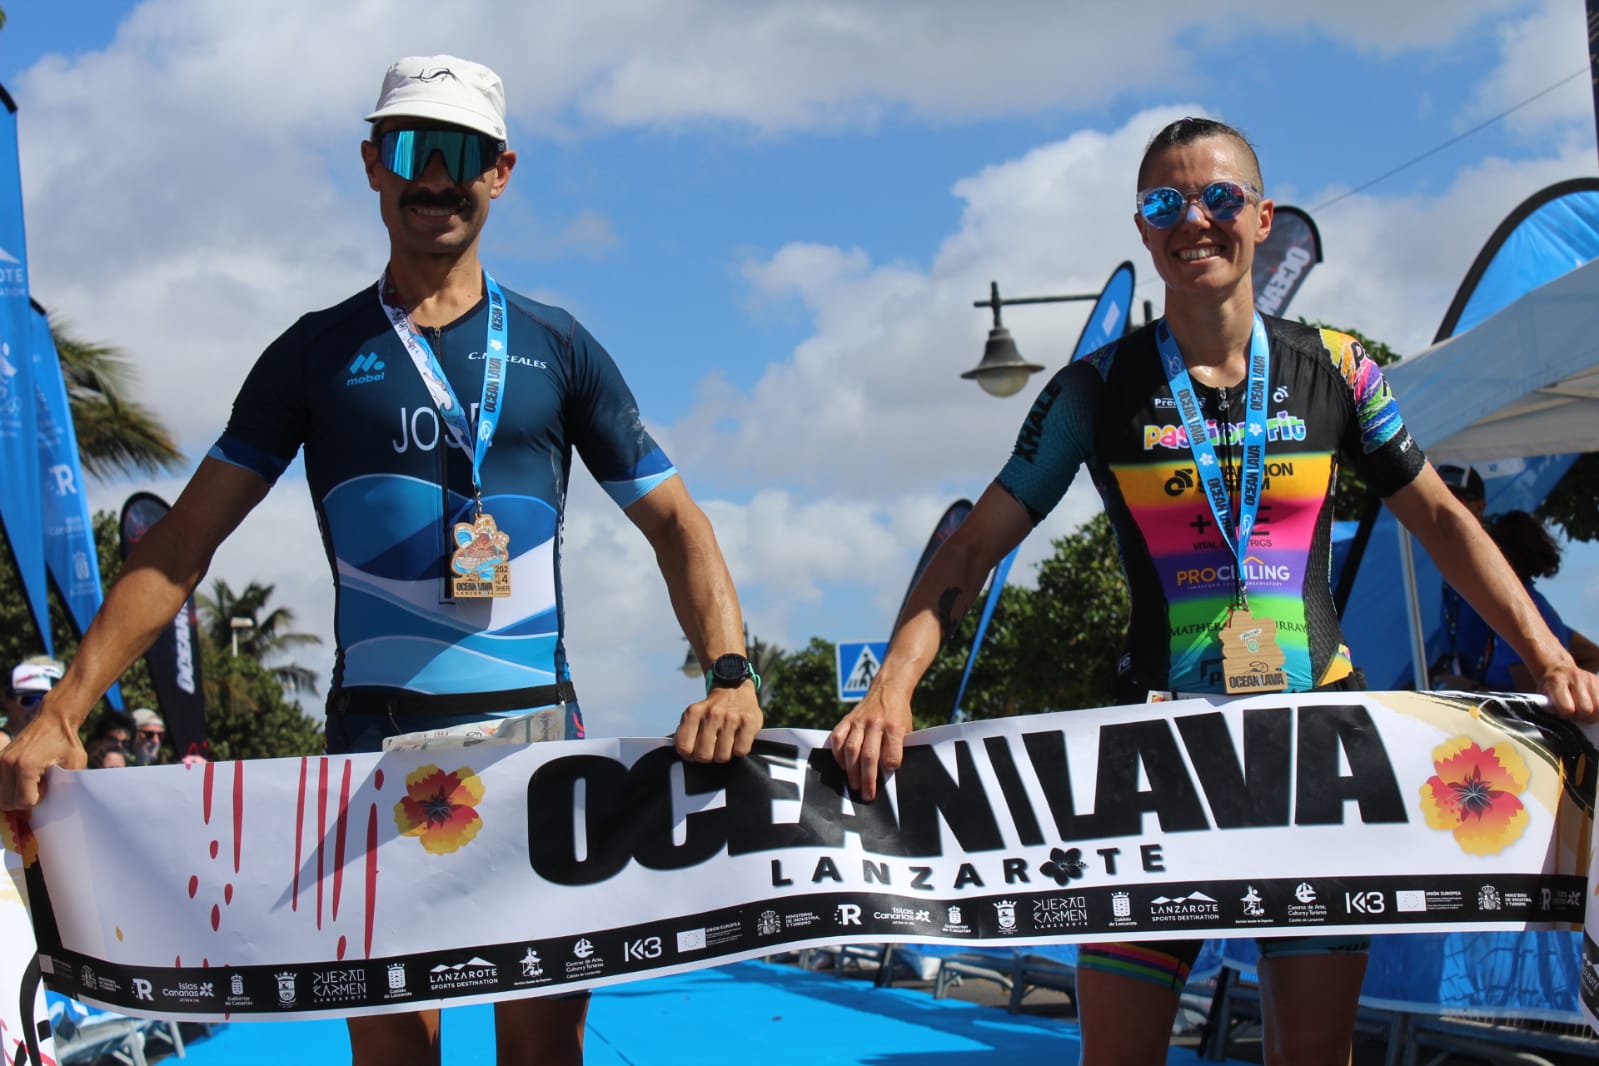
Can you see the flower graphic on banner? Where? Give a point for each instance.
(440, 808)
(16, 836)
(1474, 794)
(1063, 866)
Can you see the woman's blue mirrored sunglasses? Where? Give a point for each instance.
(466, 154)
(1163, 208)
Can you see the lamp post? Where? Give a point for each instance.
(237, 624)
(1003, 371)
(691, 663)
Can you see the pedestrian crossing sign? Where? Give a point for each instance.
(857, 665)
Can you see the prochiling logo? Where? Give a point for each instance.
(365, 368)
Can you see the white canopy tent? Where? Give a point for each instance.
(1524, 382)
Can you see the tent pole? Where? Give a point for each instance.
(1418, 639)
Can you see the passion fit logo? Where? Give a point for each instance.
(365, 369)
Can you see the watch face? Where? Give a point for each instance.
(730, 669)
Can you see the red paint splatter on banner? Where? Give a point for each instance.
(227, 893)
(371, 873)
(216, 917)
(238, 811)
(213, 849)
(205, 964)
(299, 831)
(178, 962)
(377, 780)
(338, 838)
(321, 831)
(194, 886)
(205, 804)
(342, 945)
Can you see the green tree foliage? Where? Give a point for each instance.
(268, 638)
(1050, 648)
(806, 695)
(247, 715)
(1573, 505)
(116, 434)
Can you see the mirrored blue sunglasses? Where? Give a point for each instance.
(1163, 208)
(466, 154)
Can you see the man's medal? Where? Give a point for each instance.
(480, 564)
(1252, 661)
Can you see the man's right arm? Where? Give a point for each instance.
(871, 737)
(159, 576)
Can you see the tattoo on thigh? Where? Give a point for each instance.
(949, 614)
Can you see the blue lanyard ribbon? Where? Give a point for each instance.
(438, 386)
(1253, 467)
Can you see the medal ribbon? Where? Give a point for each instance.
(1253, 467)
(438, 386)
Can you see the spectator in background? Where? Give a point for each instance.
(1532, 552)
(106, 754)
(30, 680)
(151, 732)
(1467, 486)
(116, 726)
(1448, 669)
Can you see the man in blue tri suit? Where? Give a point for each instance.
(438, 413)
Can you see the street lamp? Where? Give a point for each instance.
(237, 624)
(691, 663)
(1003, 371)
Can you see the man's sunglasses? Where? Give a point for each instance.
(31, 699)
(466, 154)
(1163, 208)
(151, 734)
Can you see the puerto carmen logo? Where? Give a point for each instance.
(365, 369)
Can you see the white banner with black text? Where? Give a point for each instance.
(345, 885)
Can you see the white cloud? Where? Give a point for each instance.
(1536, 52)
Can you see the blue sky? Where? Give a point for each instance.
(776, 216)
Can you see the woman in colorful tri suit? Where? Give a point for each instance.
(1213, 437)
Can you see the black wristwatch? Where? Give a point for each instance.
(730, 671)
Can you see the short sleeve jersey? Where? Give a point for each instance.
(388, 482)
(1113, 411)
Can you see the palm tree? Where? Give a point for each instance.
(268, 635)
(116, 434)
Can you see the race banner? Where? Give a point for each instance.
(1284, 260)
(174, 658)
(483, 869)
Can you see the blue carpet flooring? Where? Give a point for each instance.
(745, 1012)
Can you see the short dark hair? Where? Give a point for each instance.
(110, 719)
(1188, 130)
(1526, 545)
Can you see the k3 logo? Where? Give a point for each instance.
(1364, 903)
(648, 947)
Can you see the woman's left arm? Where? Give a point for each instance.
(1471, 563)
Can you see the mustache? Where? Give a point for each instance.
(427, 198)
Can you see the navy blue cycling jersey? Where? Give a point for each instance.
(388, 482)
